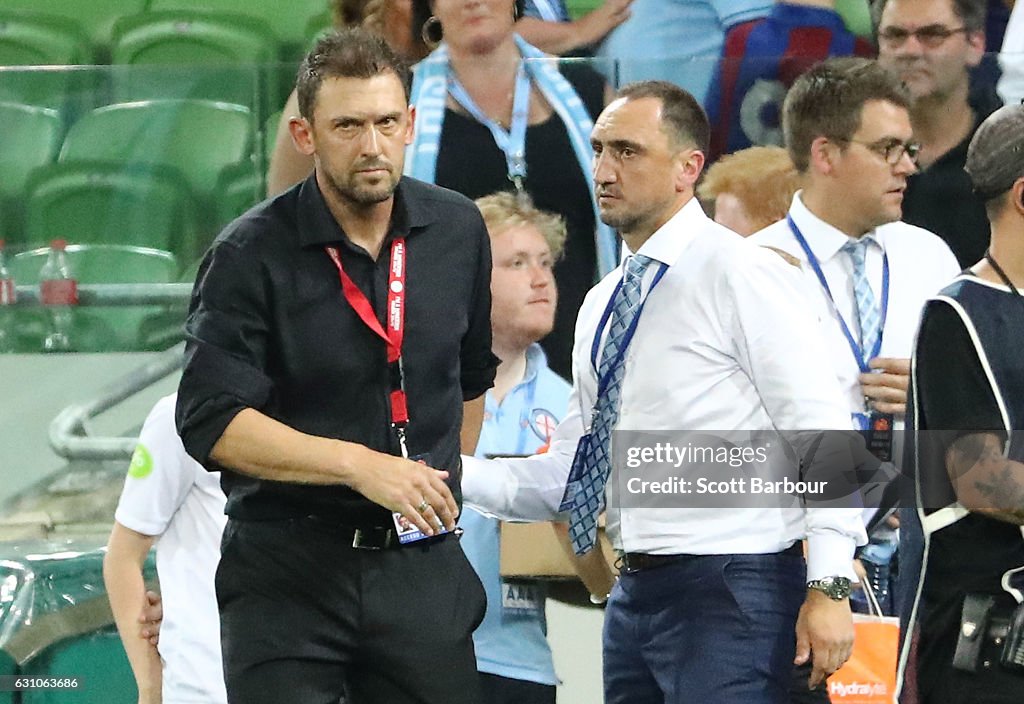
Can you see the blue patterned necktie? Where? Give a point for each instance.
(867, 307)
(585, 496)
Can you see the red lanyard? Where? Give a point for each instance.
(395, 325)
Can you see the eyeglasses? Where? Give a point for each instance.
(931, 36)
(892, 150)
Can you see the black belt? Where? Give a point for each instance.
(377, 538)
(632, 562)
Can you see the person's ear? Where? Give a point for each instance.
(302, 135)
(691, 163)
(975, 46)
(824, 153)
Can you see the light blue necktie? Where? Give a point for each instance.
(867, 307)
(586, 496)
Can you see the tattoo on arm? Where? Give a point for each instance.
(995, 483)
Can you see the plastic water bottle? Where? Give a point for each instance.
(58, 291)
(7, 298)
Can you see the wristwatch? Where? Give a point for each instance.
(835, 588)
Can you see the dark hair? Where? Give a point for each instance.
(421, 12)
(682, 117)
(971, 12)
(995, 157)
(347, 53)
(827, 101)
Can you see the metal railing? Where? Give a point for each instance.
(69, 436)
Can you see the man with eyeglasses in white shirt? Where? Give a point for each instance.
(932, 45)
(867, 275)
(713, 603)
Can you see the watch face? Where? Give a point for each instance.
(840, 588)
(837, 588)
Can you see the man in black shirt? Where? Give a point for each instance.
(338, 352)
(968, 407)
(933, 45)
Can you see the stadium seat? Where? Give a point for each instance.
(30, 138)
(98, 202)
(95, 328)
(7, 668)
(198, 138)
(318, 26)
(289, 20)
(33, 39)
(240, 187)
(95, 17)
(31, 46)
(97, 658)
(213, 56)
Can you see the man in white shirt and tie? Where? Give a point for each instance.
(867, 275)
(698, 331)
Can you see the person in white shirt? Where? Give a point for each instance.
(848, 131)
(170, 500)
(1011, 58)
(712, 604)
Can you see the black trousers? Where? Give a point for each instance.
(798, 692)
(505, 690)
(307, 618)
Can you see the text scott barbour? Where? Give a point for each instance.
(736, 485)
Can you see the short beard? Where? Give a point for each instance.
(622, 222)
(364, 196)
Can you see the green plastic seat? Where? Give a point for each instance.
(288, 19)
(7, 668)
(98, 202)
(95, 328)
(197, 137)
(95, 17)
(98, 658)
(34, 39)
(30, 138)
(214, 56)
(241, 186)
(32, 46)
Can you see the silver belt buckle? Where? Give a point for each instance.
(357, 542)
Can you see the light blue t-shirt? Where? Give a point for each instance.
(512, 640)
(677, 40)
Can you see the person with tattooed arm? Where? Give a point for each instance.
(967, 453)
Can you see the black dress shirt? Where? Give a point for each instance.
(269, 329)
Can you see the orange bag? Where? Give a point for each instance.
(869, 676)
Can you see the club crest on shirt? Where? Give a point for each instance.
(142, 463)
(543, 423)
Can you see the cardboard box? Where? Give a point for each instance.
(535, 550)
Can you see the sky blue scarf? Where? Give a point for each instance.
(430, 91)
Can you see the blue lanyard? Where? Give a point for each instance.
(602, 382)
(858, 353)
(513, 142)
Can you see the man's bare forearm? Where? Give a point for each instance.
(986, 481)
(260, 446)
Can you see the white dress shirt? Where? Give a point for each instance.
(920, 265)
(719, 346)
(1011, 58)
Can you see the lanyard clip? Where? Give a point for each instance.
(402, 445)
